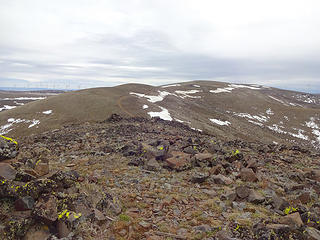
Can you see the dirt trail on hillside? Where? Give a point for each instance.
(121, 107)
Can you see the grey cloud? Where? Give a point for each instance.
(135, 57)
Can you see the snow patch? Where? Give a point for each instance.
(195, 129)
(25, 98)
(278, 100)
(5, 128)
(172, 85)
(295, 105)
(256, 123)
(243, 86)
(299, 135)
(306, 98)
(222, 90)
(196, 85)
(180, 121)
(186, 93)
(233, 86)
(219, 122)
(11, 121)
(164, 114)
(269, 111)
(18, 103)
(312, 123)
(260, 118)
(317, 134)
(47, 112)
(7, 107)
(277, 129)
(34, 123)
(153, 99)
(145, 106)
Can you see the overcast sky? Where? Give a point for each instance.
(89, 43)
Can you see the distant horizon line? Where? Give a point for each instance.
(76, 89)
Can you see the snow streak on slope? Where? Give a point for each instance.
(269, 111)
(172, 85)
(260, 118)
(24, 98)
(232, 87)
(219, 122)
(7, 107)
(151, 98)
(47, 112)
(222, 90)
(278, 100)
(315, 131)
(18, 103)
(11, 121)
(312, 123)
(164, 114)
(184, 94)
(196, 129)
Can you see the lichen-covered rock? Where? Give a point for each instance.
(8, 148)
(109, 204)
(34, 188)
(17, 228)
(65, 179)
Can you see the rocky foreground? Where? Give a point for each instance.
(152, 179)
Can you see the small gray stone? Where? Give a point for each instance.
(242, 191)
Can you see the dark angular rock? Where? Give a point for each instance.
(38, 232)
(152, 165)
(293, 220)
(137, 161)
(279, 203)
(199, 177)
(109, 203)
(229, 195)
(156, 149)
(282, 231)
(46, 209)
(191, 150)
(312, 233)
(24, 203)
(7, 171)
(224, 235)
(253, 164)
(255, 197)
(243, 191)
(220, 179)
(114, 118)
(24, 177)
(179, 161)
(203, 159)
(304, 197)
(65, 179)
(248, 175)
